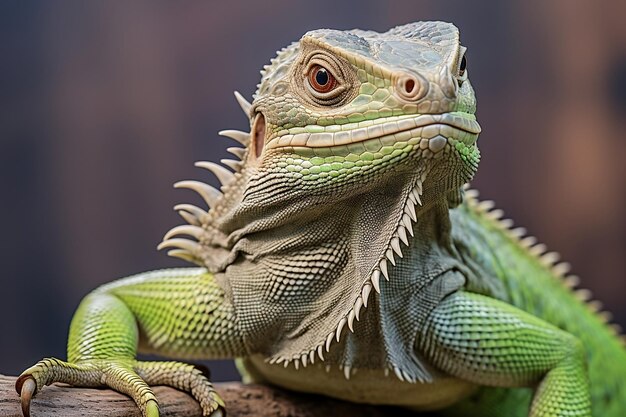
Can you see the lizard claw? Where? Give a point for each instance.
(26, 388)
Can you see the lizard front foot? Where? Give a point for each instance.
(130, 377)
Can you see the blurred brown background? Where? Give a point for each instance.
(105, 104)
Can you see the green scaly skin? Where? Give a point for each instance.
(345, 257)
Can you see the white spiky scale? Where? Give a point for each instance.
(340, 327)
(389, 255)
(351, 316)
(406, 220)
(209, 194)
(329, 339)
(402, 235)
(495, 214)
(232, 164)
(537, 249)
(245, 105)
(410, 210)
(365, 293)
(238, 135)
(506, 223)
(561, 269)
(383, 268)
(182, 254)
(238, 152)
(320, 352)
(196, 211)
(528, 242)
(189, 218)
(376, 280)
(395, 245)
(550, 258)
(518, 232)
(486, 205)
(357, 307)
(223, 175)
(186, 229)
(186, 244)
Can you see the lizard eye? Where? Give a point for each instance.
(320, 79)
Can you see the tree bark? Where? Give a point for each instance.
(241, 400)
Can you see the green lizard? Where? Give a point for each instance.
(344, 256)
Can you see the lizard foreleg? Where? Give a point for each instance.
(178, 312)
(491, 343)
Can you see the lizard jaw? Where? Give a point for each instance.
(456, 125)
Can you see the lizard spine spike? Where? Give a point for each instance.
(538, 249)
(486, 205)
(406, 220)
(185, 229)
(383, 268)
(376, 280)
(340, 327)
(395, 245)
(410, 210)
(246, 106)
(357, 307)
(416, 194)
(182, 254)
(329, 339)
(209, 194)
(320, 352)
(402, 235)
(195, 211)
(189, 218)
(232, 164)
(561, 269)
(389, 255)
(351, 316)
(365, 293)
(550, 258)
(238, 152)
(186, 244)
(223, 175)
(506, 223)
(238, 135)
(495, 214)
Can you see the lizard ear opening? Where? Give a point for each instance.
(258, 134)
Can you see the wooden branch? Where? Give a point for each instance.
(241, 400)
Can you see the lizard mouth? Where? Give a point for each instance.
(457, 126)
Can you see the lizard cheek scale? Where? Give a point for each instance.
(345, 255)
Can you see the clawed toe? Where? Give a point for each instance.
(26, 387)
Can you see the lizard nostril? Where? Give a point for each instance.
(410, 87)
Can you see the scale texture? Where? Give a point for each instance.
(344, 255)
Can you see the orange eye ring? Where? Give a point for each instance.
(321, 80)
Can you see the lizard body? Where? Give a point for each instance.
(344, 256)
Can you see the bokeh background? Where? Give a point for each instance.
(103, 105)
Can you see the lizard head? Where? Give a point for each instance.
(343, 111)
(354, 136)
